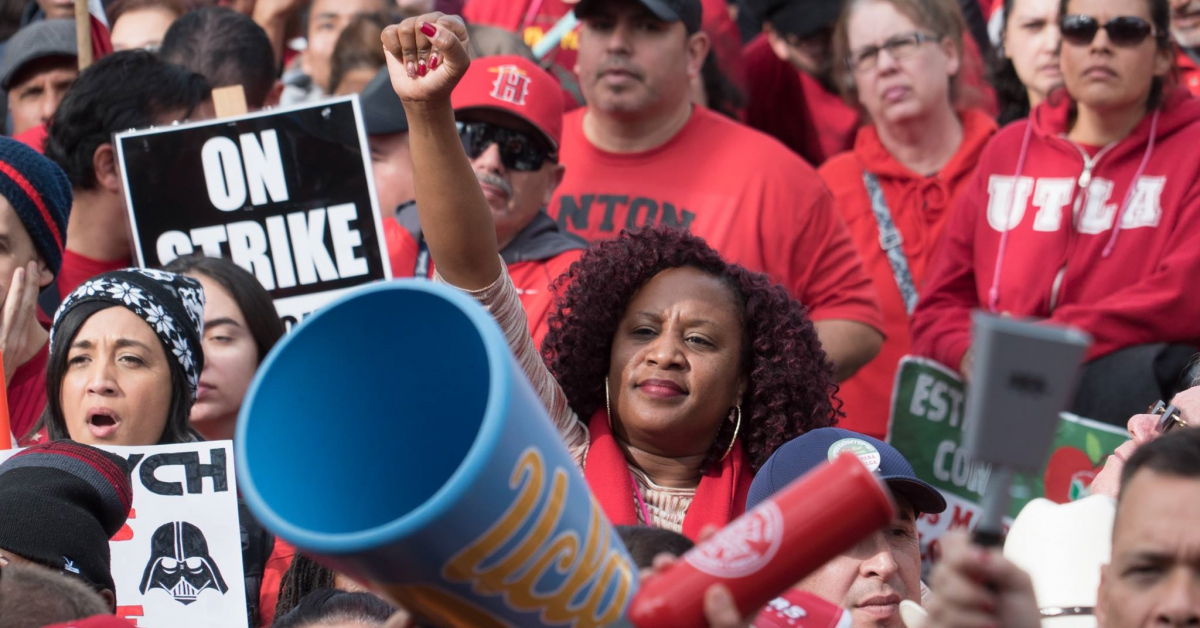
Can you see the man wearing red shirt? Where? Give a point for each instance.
(511, 115)
(790, 92)
(642, 154)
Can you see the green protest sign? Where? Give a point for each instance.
(927, 427)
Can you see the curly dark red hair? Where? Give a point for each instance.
(790, 382)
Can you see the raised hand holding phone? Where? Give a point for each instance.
(1023, 375)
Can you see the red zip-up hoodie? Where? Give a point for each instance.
(1055, 253)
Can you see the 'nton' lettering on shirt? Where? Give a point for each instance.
(582, 212)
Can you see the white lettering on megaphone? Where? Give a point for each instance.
(291, 247)
(257, 167)
(960, 470)
(744, 546)
(515, 575)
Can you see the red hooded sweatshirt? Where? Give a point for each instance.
(920, 208)
(1055, 253)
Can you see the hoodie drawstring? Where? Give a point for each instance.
(1116, 230)
(994, 291)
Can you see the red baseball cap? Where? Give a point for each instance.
(513, 85)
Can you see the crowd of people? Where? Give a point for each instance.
(709, 230)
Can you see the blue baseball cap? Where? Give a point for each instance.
(804, 453)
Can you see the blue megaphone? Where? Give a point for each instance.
(393, 437)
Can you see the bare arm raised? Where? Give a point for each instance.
(426, 57)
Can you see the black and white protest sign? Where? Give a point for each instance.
(288, 195)
(177, 563)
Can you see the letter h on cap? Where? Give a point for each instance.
(511, 85)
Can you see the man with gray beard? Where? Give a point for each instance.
(509, 112)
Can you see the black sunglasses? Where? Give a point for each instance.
(518, 151)
(1124, 30)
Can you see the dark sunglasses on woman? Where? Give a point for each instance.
(1124, 30)
(518, 151)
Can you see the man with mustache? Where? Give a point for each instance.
(510, 117)
(1185, 26)
(642, 154)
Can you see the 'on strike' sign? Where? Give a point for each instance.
(288, 195)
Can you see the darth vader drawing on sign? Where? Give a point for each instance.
(180, 563)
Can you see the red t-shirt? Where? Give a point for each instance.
(751, 199)
(272, 582)
(27, 393)
(35, 138)
(77, 269)
(793, 108)
(920, 207)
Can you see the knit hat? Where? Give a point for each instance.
(63, 501)
(38, 190)
(171, 304)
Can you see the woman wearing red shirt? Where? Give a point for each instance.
(900, 61)
(1086, 215)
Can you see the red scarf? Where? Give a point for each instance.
(720, 498)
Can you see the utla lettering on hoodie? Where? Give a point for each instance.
(1100, 241)
(1051, 196)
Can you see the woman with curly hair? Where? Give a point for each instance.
(672, 376)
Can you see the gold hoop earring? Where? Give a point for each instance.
(608, 405)
(736, 427)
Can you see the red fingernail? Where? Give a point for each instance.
(433, 62)
(428, 29)
(421, 68)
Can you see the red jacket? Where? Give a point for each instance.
(920, 208)
(1128, 285)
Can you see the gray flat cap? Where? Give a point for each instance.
(48, 38)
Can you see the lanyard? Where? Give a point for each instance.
(890, 241)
